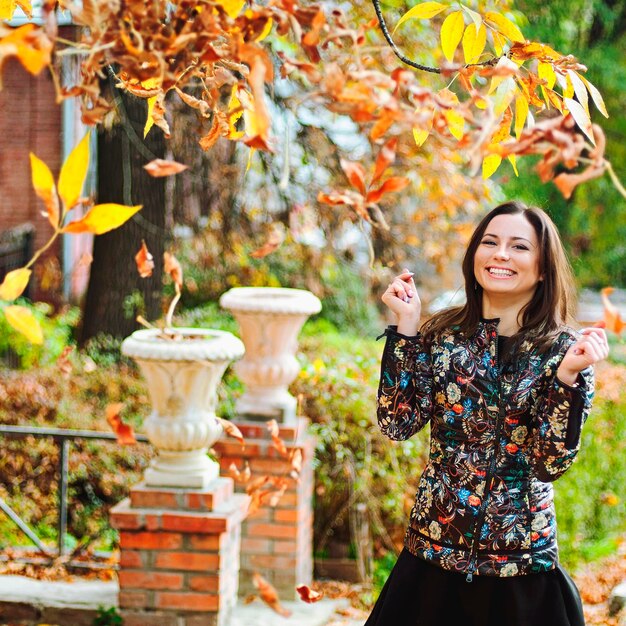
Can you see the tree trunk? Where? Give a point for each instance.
(115, 288)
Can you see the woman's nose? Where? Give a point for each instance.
(502, 253)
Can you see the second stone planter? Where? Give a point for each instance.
(270, 320)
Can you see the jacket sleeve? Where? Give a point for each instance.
(561, 412)
(405, 389)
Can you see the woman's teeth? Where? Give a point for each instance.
(498, 272)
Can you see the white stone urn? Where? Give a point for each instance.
(182, 372)
(270, 319)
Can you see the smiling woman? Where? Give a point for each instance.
(506, 385)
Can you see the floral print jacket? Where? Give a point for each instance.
(499, 436)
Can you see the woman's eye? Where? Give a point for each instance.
(489, 243)
(520, 247)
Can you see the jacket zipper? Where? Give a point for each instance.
(471, 568)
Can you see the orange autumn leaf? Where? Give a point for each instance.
(161, 167)
(269, 595)
(275, 497)
(275, 239)
(612, 316)
(355, 173)
(385, 158)
(232, 431)
(308, 595)
(174, 269)
(241, 476)
(101, 219)
(124, 433)
(14, 284)
(395, 183)
(30, 45)
(144, 261)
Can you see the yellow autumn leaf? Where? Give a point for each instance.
(420, 135)
(14, 284)
(149, 119)
(232, 7)
(22, 320)
(73, 173)
(456, 123)
(423, 11)
(595, 96)
(7, 7)
(498, 42)
(451, 33)
(490, 164)
(567, 86)
(513, 161)
(474, 40)
(101, 219)
(505, 26)
(267, 29)
(545, 71)
(580, 117)
(476, 17)
(233, 104)
(521, 113)
(43, 183)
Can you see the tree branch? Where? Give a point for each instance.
(398, 53)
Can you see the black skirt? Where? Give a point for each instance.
(418, 593)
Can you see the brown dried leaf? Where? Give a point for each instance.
(277, 442)
(160, 167)
(269, 595)
(232, 431)
(173, 268)
(144, 261)
(308, 595)
(275, 238)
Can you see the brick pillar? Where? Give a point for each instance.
(276, 542)
(179, 563)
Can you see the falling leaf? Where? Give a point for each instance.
(274, 240)
(612, 316)
(455, 122)
(423, 11)
(30, 45)
(232, 431)
(44, 186)
(14, 284)
(144, 261)
(23, 320)
(385, 158)
(124, 432)
(73, 174)
(505, 26)
(308, 595)
(296, 464)
(420, 136)
(240, 476)
(85, 260)
(160, 167)
(277, 442)
(269, 595)
(172, 267)
(451, 33)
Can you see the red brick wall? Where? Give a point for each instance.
(30, 122)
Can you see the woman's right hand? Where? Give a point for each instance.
(402, 299)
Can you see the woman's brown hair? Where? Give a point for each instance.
(552, 303)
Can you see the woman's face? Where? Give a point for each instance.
(507, 258)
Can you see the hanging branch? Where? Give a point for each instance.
(398, 53)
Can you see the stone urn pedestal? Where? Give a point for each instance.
(270, 320)
(180, 529)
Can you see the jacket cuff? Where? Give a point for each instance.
(576, 397)
(392, 331)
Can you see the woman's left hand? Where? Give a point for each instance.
(591, 348)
